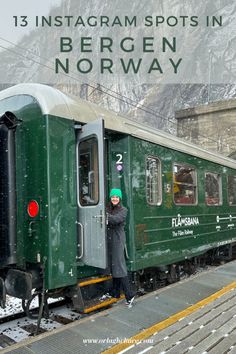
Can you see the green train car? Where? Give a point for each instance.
(59, 158)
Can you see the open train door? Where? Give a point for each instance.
(92, 248)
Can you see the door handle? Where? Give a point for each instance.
(81, 241)
(31, 229)
(99, 218)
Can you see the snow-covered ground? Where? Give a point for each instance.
(16, 329)
(13, 306)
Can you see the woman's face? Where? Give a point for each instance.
(115, 200)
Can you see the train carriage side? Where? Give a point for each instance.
(172, 225)
(59, 191)
(47, 249)
(45, 201)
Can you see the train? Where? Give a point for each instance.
(60, 156)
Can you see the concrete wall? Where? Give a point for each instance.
(211, 126)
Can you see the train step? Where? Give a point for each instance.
(87, 306)
(96, 304)
(92, 281)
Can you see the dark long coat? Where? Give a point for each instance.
(116, 240)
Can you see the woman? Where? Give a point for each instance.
(116, 214)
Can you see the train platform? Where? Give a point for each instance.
(195, 315)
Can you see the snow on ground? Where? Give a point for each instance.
(13, 306)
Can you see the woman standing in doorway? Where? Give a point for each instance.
(116, 214)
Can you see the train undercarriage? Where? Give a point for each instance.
(153, 278)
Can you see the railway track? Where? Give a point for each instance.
(17, 327)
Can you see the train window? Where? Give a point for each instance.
(213, 189)
(88, 172)
(153, 180)
(184, 184)
(232, 190)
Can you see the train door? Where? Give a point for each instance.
(91, 195)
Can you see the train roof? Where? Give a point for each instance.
(54, 102)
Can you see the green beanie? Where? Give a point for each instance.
(116, 192)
